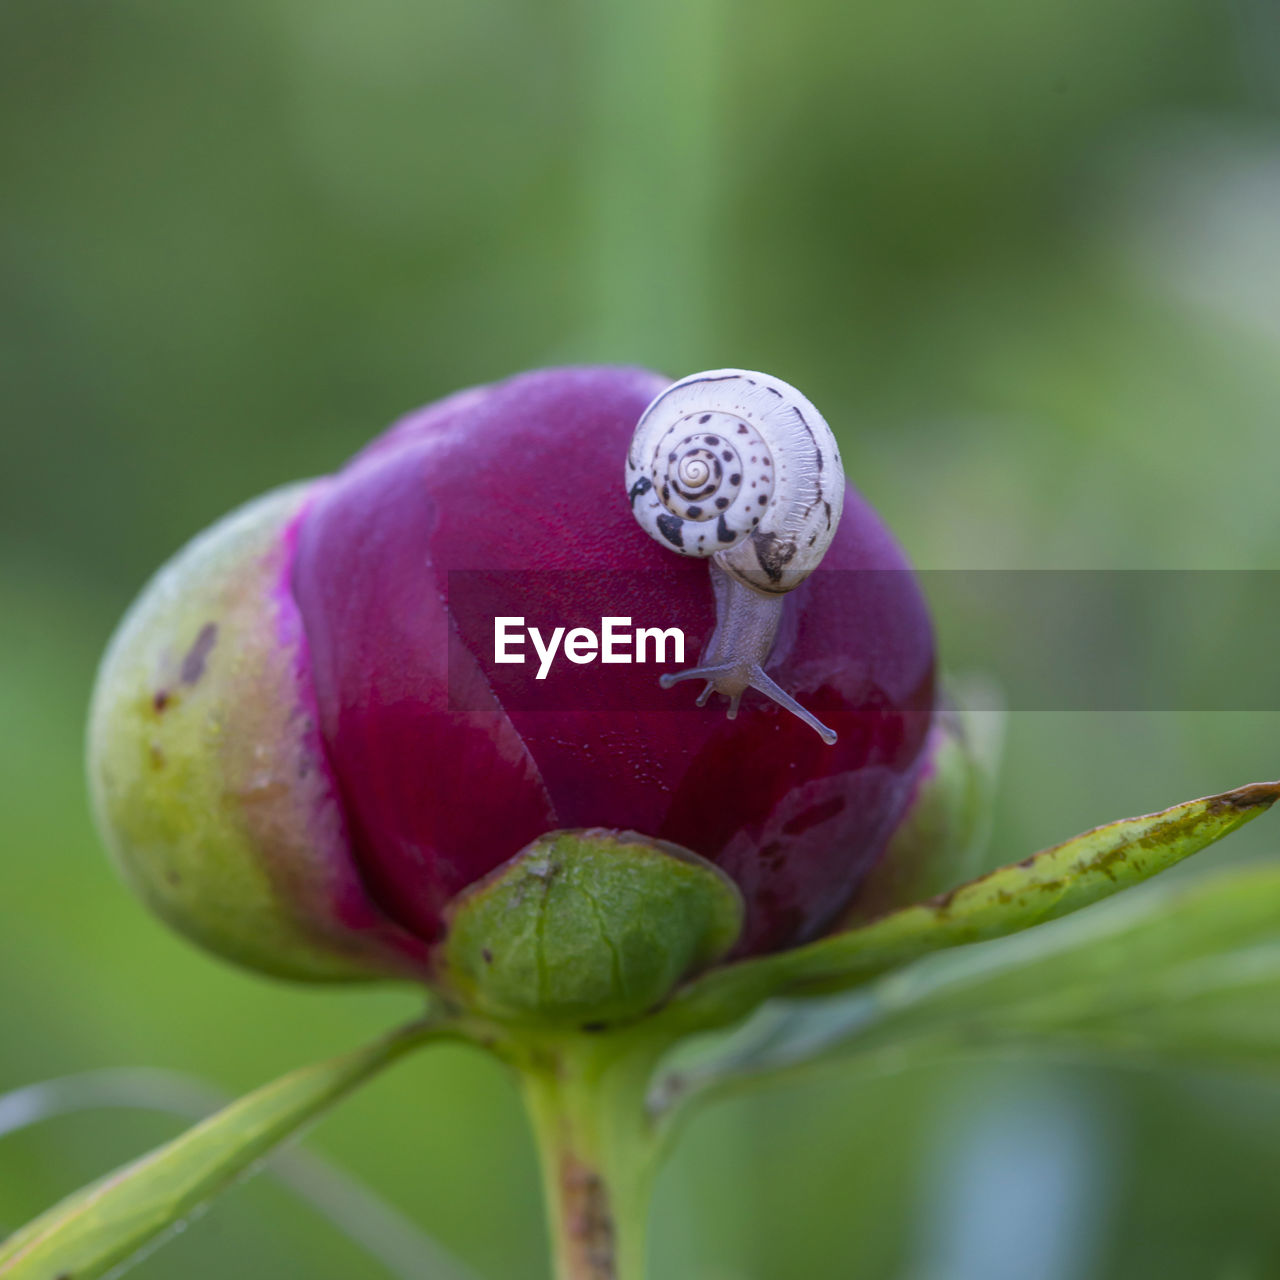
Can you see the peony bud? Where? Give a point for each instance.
(302, 753)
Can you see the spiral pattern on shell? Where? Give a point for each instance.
(740, 466)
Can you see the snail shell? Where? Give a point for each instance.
(739, 468)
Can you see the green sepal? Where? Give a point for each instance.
(587, 928)
(1042, 887)
(205, 771)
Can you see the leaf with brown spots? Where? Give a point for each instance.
(1049, 884)
(1184, 974)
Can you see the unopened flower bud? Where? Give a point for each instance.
(304, 756)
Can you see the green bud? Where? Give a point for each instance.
(587, 927)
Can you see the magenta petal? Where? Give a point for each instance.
(442, 780)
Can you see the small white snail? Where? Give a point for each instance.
(739, 467)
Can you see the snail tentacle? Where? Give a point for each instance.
(755, 678)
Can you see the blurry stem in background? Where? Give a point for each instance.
(598, 1146)
(113, 1222)
(402, 1248)
(649, 164)
(1018, 1180)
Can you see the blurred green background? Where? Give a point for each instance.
(1025, 255)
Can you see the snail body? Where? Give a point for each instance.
(740, 469)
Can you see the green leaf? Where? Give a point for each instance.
(349, 1206)
(1043, 887)
(108, 1222)
(1182, 973)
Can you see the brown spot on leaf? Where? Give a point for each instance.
(941, 902)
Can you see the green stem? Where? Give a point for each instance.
(652, 152)
(586, 1101)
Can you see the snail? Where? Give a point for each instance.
(739, 468)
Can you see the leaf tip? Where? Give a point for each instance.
(1257, 795)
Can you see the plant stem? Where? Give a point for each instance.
(586, 1100)
(652, 152)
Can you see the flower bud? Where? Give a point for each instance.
(302, 753)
